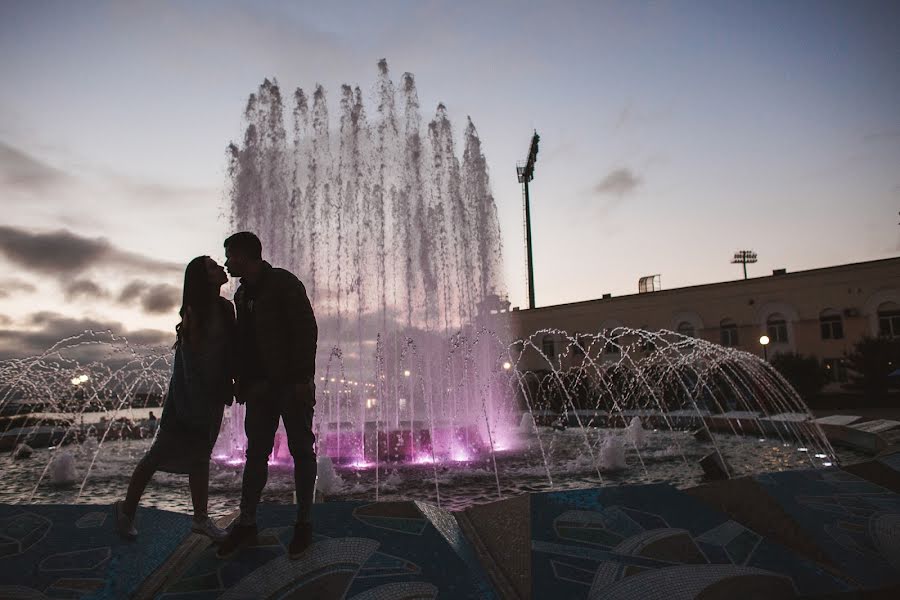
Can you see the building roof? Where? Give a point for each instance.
(737, 282)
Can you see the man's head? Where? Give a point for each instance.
(243, 254)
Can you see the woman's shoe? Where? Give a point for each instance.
(208, 528)
(124, 523)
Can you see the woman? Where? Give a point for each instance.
(200, 387)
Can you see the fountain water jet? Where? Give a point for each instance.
(398, 243)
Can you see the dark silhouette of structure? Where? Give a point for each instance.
(743, 257)
(525, 172)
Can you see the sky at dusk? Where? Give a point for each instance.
(673, 134)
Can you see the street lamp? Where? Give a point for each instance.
(764, 340)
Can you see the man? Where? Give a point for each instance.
(277, 337)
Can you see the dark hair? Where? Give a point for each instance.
(195, 298)
(245, 243)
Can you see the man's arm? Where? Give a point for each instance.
(304, 332)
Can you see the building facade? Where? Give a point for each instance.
(819, 312)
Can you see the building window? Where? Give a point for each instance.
(647, 342)
(548, 346)
(579, 345)
(835, 370)
(728, 333)
(831, 326)
(686, 328)
(776, 327)
(889, 320)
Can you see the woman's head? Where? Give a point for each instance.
(203, 278)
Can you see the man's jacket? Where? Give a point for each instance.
(284, 325)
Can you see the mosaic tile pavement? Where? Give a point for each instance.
(58, 551)
(817, 534)
(384, 551)
(653, 541)
(855, 522)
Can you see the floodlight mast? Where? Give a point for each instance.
(743, 257)
(525, 173)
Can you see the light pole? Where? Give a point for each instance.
(744, 257)
(525, 173)
(764, 340)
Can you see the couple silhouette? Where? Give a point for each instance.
(263, 357)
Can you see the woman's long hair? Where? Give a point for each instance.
(195, 302)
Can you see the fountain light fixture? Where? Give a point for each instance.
(764, 340)
(507, 366)
(406, 373)
(78, 380)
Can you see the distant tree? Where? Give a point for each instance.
(804, 373)
(870, 364)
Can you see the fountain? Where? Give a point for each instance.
(398, 243)
(420, 392)
(631, 400)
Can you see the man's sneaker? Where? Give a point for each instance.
(301, 541)
(208, 528)
(239, 536)
(124, 523)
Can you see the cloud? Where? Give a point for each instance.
(618, 182)
(46, 328)
(160, 298)
(65, 253)
(131, 291)
(84, 288)
(154, 298)
(11, 286)
(20, 169)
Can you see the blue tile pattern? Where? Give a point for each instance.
(623, 542)
(379, 551)
(72, 551)
(852, 520)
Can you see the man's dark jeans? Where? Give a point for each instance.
(266, 402)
